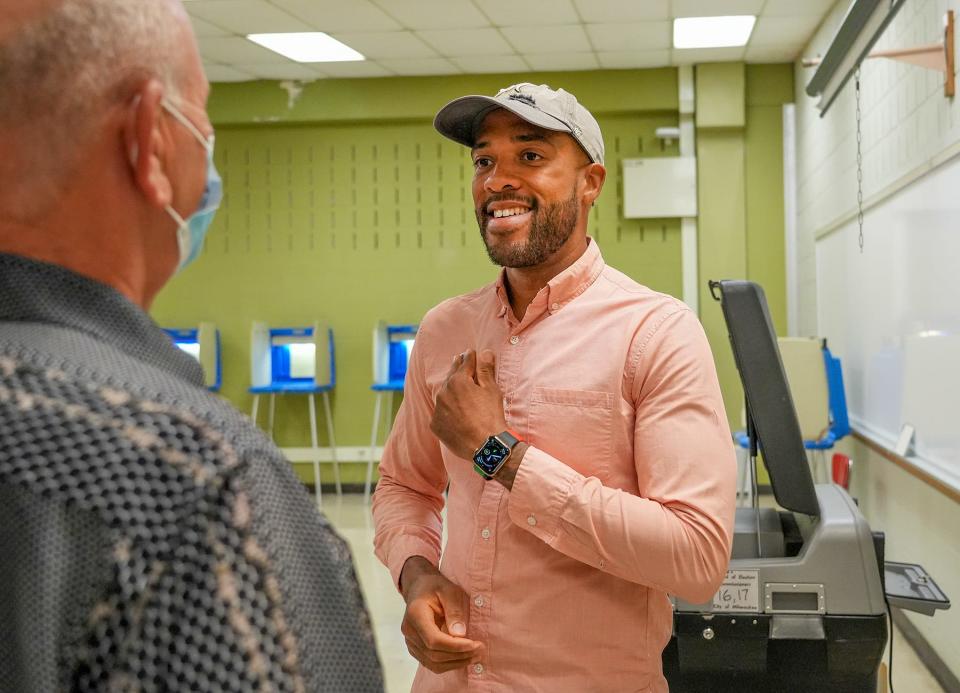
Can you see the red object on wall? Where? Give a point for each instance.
(841, 470)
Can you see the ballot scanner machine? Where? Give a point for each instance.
(803, 606)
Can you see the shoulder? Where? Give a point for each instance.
(459, 311)
(112, 427)
(649, 310)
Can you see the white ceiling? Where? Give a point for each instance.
(443, 37)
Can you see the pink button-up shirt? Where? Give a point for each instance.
(625, 495)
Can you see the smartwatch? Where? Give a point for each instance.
(494, 453)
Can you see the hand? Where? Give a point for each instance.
(435, 621)
(469, 407)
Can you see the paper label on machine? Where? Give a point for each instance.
(740, 591)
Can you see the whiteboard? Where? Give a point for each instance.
(660, 187)
(892, 314)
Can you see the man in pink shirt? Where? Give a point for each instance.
(577, 419)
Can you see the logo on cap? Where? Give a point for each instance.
(525, 98)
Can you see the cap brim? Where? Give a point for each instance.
(460, 118)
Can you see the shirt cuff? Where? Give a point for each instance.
(405, 548)
(540, 492)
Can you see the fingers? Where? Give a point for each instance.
(423, 627)
(453, 601)
(469, 365)
(439, 662)
(466, 361)
(486, 367)
(429, 645)
(455, 366)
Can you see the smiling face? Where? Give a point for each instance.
(532, 188)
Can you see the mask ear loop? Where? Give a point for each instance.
(206, 142)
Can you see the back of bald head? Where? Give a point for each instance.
(63, 63)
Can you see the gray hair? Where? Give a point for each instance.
(60, 70)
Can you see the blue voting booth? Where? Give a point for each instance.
(392, 345)
(203, 344)
(297, 361)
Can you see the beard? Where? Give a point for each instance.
(550, 228)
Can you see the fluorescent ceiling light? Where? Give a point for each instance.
(712, 32)
(307, 47)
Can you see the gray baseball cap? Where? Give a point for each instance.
(553, 109)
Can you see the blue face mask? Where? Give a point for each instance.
(191, 232)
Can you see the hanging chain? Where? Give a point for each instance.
(859, 168)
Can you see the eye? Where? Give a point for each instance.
(530, 156)
(481, 162)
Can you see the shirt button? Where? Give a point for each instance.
(478, 600)
(478, 668)
(532, 521)
(514, 340)
(555, 306)
(485, 533)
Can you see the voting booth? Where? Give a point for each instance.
(804, 603)
(203, 344)
(392, 345)
(297, 361)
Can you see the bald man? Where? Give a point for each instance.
(150, 537)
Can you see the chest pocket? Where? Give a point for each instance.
(574, 426)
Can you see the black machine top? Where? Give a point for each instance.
(769, 403)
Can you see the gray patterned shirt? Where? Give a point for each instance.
(151, 538)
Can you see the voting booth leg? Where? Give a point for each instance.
(270, 415)
(256, 408)
(333, 443)
(373, 448)
(315, 449)
(744, 495)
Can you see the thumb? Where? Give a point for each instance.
(455, 610)
(486, 366)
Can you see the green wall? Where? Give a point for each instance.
(740, 178)
(344, 205)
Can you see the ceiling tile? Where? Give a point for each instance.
(467, 42)
(789, 8)
(486, 64)
(203, 29)
(289, 71)
(637, 36)
(553, 62)
(247, 16)
(336, 15)
(388, 44)
(434, 14)
(716, 8)
(772, 31)
(422, 66)
(547, 39)
(235, 50)
(362, 68)
(529, 12)
(690, 56)
(624, 60)
(773, 54)
(613, 11)
(222, 73)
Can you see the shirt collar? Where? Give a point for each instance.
(32, 291)
(564, 287)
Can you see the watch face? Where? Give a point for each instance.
(491, 455)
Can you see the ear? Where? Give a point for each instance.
(146, 145)
(593, 177)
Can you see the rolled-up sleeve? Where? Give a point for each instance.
(676, 534)
(409, 495)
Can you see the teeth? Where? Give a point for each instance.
(498, 213)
